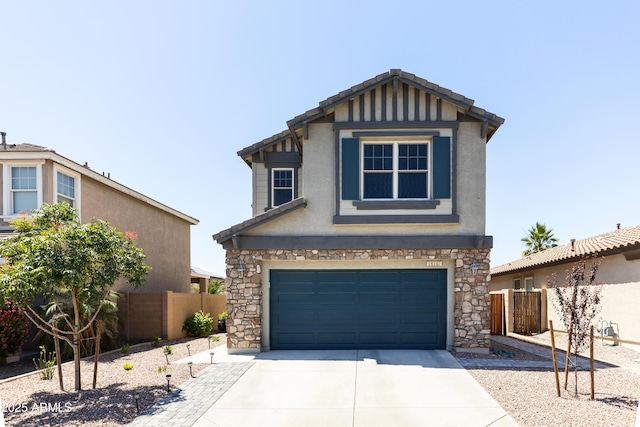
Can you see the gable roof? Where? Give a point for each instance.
(494, 121)
(32, 151)
(280, 210)
(615, 241)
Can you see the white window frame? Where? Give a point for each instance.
(395, 168)
(524, 283)
(76, 182)
(273, 184)
(517, 280)
(7, 199)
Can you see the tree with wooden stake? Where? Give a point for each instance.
(72, 265)
(577, 301)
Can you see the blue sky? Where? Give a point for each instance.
(163, 94)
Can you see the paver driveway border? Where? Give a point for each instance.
(355, 388)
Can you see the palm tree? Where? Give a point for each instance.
(538, 239)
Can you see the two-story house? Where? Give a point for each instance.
(32, 175)
(368, 227)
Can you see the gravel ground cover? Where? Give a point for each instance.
(29, 401)
(529, 395)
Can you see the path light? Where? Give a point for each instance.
(209, 339)
(168, 380)
(166, 355)
(137, 396)
(190, 371)
(189, 349)
(474, 269)
(211, 354)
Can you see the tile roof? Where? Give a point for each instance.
(284, 208)
(24, 147)
(617, 239)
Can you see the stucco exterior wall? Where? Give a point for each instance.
(164, 237)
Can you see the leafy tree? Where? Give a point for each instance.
(216, 287)
(577, 301)
(72, 265)
(538, 239)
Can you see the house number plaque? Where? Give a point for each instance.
(434, 263)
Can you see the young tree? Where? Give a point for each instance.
(71, 265)
(577, 302)
(538, 239)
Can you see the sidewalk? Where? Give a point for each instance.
(186, 404)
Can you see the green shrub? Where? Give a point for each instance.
(199, 324)
(127, 366)
(14, 329)
(222, 322)
(168, 349)
(155, 341)
(125, 349)
(45, 363)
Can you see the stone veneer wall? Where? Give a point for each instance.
(244, 290)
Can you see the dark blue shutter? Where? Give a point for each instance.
(441, 167)
(350, 169)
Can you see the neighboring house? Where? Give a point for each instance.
(619, 275)
(32, 175)
(200, 278)
(368, 226)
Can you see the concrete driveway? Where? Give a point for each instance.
(356, 388)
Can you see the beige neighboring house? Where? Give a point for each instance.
(202, 278)
(368, 227)
(619, 275)
(32, 175)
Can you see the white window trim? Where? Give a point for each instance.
(7, 203)
(395, 171)
(524, 283)
(77, 181)
(273, 186)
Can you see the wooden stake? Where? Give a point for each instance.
(566, 362)
(592, 369)
(56, 343)
(555, 360)
(96, 357)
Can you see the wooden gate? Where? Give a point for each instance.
(497, 314)
(526, 312)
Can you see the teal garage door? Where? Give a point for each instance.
(358, 309)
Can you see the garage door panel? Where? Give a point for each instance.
(333, 309)
(336, 338)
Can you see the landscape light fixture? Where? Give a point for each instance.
(190, 371)
(474, 269)
(166, 355)
(168, 381)
(137, 396)
(241, 269)
(189, 349)
(209, 339)
(211, 354)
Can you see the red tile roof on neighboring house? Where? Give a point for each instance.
(617, 239)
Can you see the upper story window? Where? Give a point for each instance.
(282, 187)
(66, 189)
(395, 171)
(24, 189)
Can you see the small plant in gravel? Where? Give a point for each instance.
(125, 349)
(199, 324)
(45, 363)
(168, 349)
(162, 369)
(127, 366)
(155, 341)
